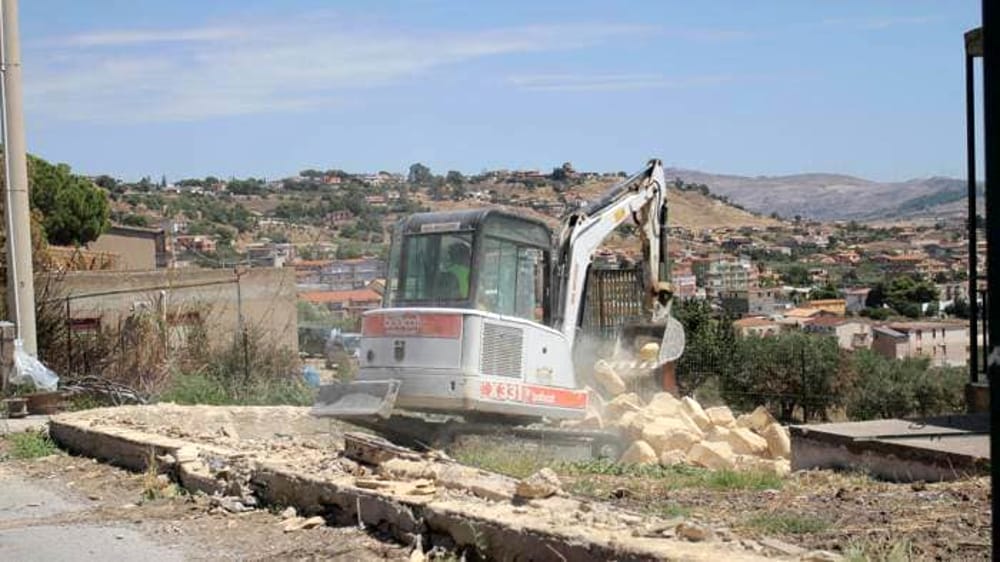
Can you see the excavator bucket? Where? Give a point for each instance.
(672, 346)
(359, 399)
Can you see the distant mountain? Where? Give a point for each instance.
(835, 196)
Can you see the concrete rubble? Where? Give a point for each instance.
(668, 430)
(541, 484)
(251, 457)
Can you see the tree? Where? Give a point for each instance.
(905, 294)
(796, 274)
(710, 342)
(348, 250)
(454, 177)
(788, 372)
(875, 313)
(144, 185)
(876, 296)
(436, 188)
(74, 210)
(419, 174)
(959, 308)
(828, 291)
(107, 182)
(133, 219)
(897, 388)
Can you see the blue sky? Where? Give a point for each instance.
(269, 87)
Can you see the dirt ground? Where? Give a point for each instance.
(831, 511)
(105, 495)
(851, 514)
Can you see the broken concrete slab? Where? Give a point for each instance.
(898, 450)
(309, 480)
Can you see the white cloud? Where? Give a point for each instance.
(135, 37)
(197, 73)
(609, 82)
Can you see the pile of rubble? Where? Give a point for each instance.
(670, 431)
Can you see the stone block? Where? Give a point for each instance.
(541, 484)
(677, 440)
(664, 432)
(621, 404)
(712, 455)
(694, 532)
(670, 458)
(639, 452)
(779, 444)
(605, 374)
(697, 414)
(691, 425)
(721, 416)
(633, 425)
(760, 418)
(745, 442)
(649, 352)
(663, 404)
(717, 434)
(622, 421)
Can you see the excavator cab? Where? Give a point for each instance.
(464, 325)
(484, 259)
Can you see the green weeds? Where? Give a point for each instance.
(30, 445)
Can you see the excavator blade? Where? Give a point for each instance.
(359, 399)
(672, 345)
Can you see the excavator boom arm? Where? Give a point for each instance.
(641, 197)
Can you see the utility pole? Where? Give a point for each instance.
(20, 273)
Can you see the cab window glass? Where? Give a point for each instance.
(511, 279)
(438, 267)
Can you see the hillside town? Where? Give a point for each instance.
(331, 230)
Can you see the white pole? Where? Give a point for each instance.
(20, 273)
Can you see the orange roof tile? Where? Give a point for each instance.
(802, 312)
(754, 322)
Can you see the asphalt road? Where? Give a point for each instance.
(29, 529)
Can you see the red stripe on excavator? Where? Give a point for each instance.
(532, 394)
(447, 326)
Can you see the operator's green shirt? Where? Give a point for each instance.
(461, 272)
